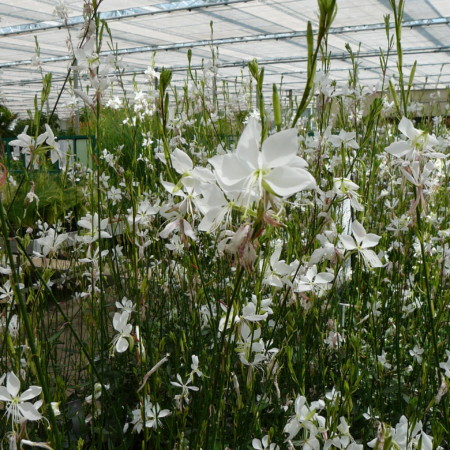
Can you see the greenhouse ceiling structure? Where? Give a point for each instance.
(271, 31)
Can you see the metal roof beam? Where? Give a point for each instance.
(129, 13)
(38, 81)
(239, 40)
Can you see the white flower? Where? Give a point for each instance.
(194, 367)
(120, 324)
(152, 414)
(114, 194)
(344, 138)
(403, 436)
(28, 144)
(263, 444)
(278, 273)
(148, 416)
(185, 388)
(144, 213)
(364, 241)
(418, 142)
(250, 347)
(416, 353)
(96, 228)
(7, 292)
(313, 281)
(383, 361)
(446, 365)
(52, 241)
(97, 392)
(18, 407)
(305, 417)
(254, 312)
(56, 154)
(275, 169)
(126, 305)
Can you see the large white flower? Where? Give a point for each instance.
(419, 142)
(305, 417)
(275, 168)
(52, 241)
(17, 406)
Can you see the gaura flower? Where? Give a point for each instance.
(362, 242)
(122, 340)
(275, 168)
(17, 406)
(96, 228)
(148, 415)
(419, 142)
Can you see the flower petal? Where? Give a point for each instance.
(248, 145)
(323, 277)
(5, 395)
(31, 392)
(286, 181)
(280, 148)
(407, 128)
(347, 241)
(230, 170)
(370, 240)
(181, 162)
(358, 231)
(164, 413)
(12, 384)
(122, 345)
(29, 411)
(399, 149)
(371, 258)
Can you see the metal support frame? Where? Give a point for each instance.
(338, 56)
(240, 40)
(270, 61)
(120, 14)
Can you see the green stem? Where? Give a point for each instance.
(29, 332)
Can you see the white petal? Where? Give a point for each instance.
(5, 395)
(370, 240)
(230, 170)
(169, 228)
(407, 128)
(358, 231)
(164, 413)
(286, 181)
(29, 411)
(371, 258)
(323, 277)
(292, 428)
(248, 145)
(399, 148)
(12, 384)
(256, 443)
(427, 442)
(122, 345)
(347, 241)
(30, 393)
(35, 444)
(181, 162)
(280, 148)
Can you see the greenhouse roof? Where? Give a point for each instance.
(272, 31)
